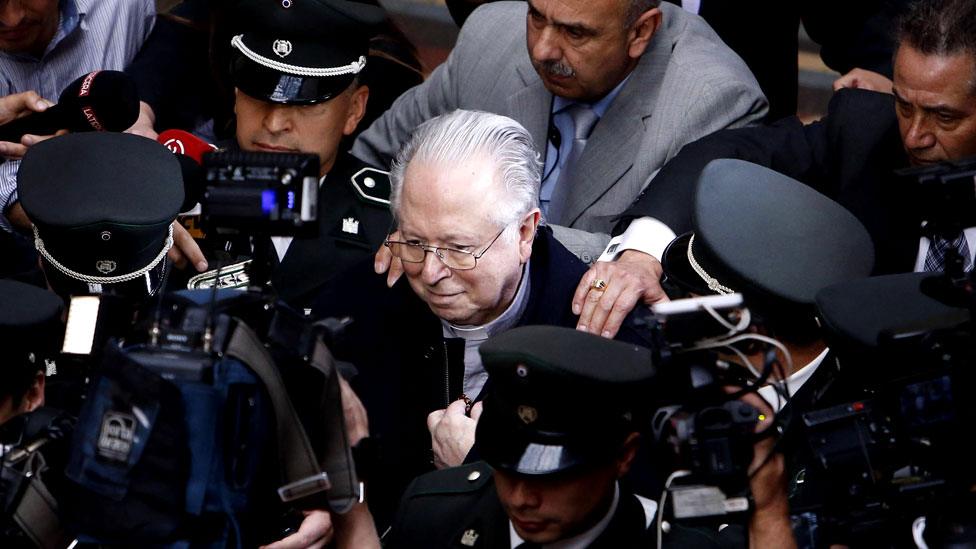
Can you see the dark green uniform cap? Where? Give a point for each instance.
(559, 398)
(300, 51)
(768, 236)
(101, 203)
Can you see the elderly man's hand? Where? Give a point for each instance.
(384, 262)
(452, 433)
(16, 106)
(315, 531)
(185, 250)
(865, 80)
(634, 276)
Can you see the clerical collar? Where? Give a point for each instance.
(581, 541)
(505, 321)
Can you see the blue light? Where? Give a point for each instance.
(269, 201)
(291, 200)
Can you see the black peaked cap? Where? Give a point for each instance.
(101, 203)
(559, 398)
(301, 51)
(768, 236)
(30, 321)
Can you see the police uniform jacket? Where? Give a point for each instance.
(354, 219)
(459, 508)
(850, 155)
(406, 369)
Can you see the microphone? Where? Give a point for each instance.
(554, 136)
(189, 150)
(97, 101)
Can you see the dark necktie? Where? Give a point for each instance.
(584, 119)
(939, 247)
(527, 545)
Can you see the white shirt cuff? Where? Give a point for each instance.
(645, 234)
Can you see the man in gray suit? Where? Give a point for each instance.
(650, 77)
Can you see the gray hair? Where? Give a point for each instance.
(452, 138)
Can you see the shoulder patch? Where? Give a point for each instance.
(372, 185)
(454, 480)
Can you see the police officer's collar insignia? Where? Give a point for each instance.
(527, 414)
(105, 266)
(281, 48)
(469, 538)
(372, 185)
(350, 225)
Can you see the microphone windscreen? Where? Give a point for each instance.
(99, 101)
(185, 143)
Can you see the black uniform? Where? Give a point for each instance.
(354, 219)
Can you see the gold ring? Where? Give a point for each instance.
(599, 284)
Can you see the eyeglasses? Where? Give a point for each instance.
(457, 260)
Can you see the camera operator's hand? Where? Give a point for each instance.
(769, 525)
(185, 250)
(452, 433)
(357, 423)
(315, 532)
(16, 106)
(634, 276)
(384, 262)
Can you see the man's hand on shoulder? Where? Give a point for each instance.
(16, 106)
(634, 277)
(865, 80)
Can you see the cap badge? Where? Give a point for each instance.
(282, 47)
(350, 225)
(469, 538)
(527, 414)
(105, 266)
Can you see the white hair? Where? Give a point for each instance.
(452, 138)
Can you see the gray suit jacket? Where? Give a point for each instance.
(687, 84)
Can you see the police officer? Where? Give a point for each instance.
(32, 437)
(296, 70)
(557, 435)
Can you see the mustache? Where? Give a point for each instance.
(556, 68)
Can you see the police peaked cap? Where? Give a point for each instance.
(768, 236)
(30, 323)
(559, 398)
(301, 51)
(101, 203)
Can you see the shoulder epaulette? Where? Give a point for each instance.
(372, 185)
(453, 480)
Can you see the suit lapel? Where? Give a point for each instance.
(617, 138)
(531, 106)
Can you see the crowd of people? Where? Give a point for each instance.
(491, 275)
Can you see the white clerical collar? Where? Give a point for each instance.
(505, 321)
(793, 383)
(581, 541)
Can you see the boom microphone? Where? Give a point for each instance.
(97, 101)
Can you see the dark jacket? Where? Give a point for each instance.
(850, 155)
(406, 369)
(459, 508)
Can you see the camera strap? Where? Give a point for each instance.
(302, 474)
(36, 514)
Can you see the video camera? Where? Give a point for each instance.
(700, 422)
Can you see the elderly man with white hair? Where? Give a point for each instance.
(476, 262)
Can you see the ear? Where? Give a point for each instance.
(642, 31)
(34, 398)
(526, 236)
(628, 453)
(356, 110)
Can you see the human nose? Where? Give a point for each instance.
(546, 47)
(434, 269)
(523, 496)
(11, 13)
(919, 134)
(277, 119)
